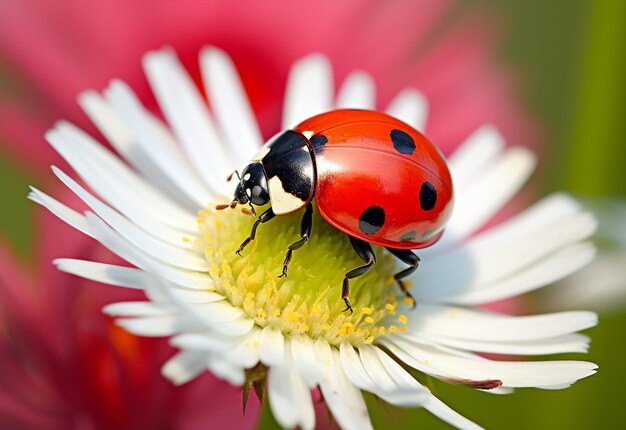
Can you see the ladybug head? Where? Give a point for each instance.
(252, 186)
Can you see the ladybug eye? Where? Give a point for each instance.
(428, 196)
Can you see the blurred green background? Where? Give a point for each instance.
(570, 57)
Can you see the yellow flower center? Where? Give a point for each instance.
(308, 301)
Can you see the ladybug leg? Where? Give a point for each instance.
(264, 217)
(365, 253)
(406, 256)
(305, 233)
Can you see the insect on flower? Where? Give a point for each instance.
(373, 177)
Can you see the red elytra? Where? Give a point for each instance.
(365, 159)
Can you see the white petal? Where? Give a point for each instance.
(553, 345)
(444, 412)
(158, 144)
(246, 352)
(125, 143)
(309, 90)
(475, 154)
(159, 326)
(548, 270)
(112, 180)
(358, 91)
(230, 104)
(148, 243)
(303, 354)
(226, 370)
(119, 276)
(272, 347)
(411, 107)
(184, 366)
(511, 373)
(472, 324)
(343, 399)
(139, 309)
(290, 398)
(400, 389)
(240, 351)
(353, 367)
(478, 200)
(116, 243)
(67, 215)
(188, 115)
(491, 263)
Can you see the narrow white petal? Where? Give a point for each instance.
(109, 123)
(159, 326)
(391, 382)
(444, 412)
(358, 91)
(158, 144)
(511, 373)
(551, 269)
(226, 370)
(125, 143)
(230, 104)
(469, 324)
(144, 241)
(246, 352)
(411, 107)
(188, 115)
(184, 366)
(207, 341)
(412, 392)
(272, 347)
(119, 276)
(479, 200)
(382, 381)
(552, 345)
(506, 260)
(353, 367)
(240, 351)
(139, 309)
(116, 243)
(303, 354)
(475, 154)
(309, 90)
(290, 398)
(67, 215)
(344, 400)
(112, 180)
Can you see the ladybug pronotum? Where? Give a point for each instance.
(373, 177)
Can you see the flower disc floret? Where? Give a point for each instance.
(307, 301)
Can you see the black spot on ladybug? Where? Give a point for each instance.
(409, 235)
(402, 142)
(372, 219)
(428, 196)
(318, 140)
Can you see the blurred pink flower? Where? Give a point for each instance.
(55, 50)
(66, 365)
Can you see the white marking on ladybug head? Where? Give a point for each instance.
(308, 134)
(282, 201)
(246, 176)
(248, 192)
(265, 149)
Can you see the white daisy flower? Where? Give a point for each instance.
(233, 316)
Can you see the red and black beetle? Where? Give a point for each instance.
(372, 176)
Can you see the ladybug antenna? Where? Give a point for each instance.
(229, 177)
(227, 205)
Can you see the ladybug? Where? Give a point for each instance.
(373, 177)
